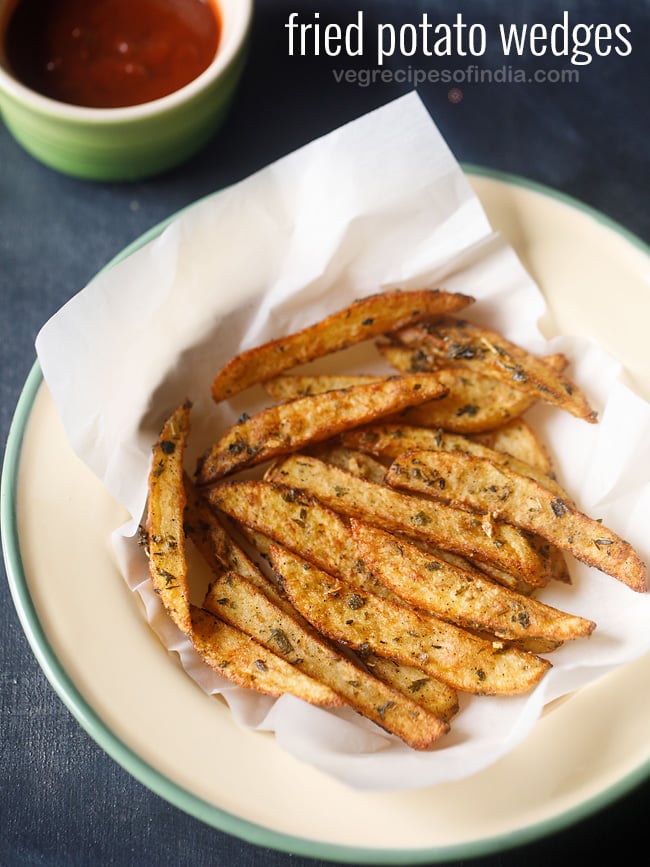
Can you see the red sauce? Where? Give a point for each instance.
(110, 53)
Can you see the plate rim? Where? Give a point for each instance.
(155, 780)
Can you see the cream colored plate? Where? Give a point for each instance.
(92, 640)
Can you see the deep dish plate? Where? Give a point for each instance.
(97, 650)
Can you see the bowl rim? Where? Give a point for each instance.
(236, 18)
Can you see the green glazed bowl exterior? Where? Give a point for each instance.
(137, 141)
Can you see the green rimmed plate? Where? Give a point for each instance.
(119, 682)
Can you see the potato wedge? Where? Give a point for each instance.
(363, 320)
(518, 439)
(366, 467)
(292, 386)
(227, 650)
(452, 529)
(474, 402)
(164, 523)
(223, 554)
(442, 650)
(482, 486)
(239, 602)
(459, 596)
(245, 662)
(429, 692)
(356, 462)
(297, 521)
(391, 440)
(461, 343)
(538, 646)
(287, 427)
(421, 358)
(554, 556)
(219, 549)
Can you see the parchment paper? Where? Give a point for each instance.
(376, 204)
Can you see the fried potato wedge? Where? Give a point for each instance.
(461, 343)
(421, 358)
(365, 466)
(292, 386)
(238, 602)
(475, 403)
(518, 439)
(290, 426)
(222, 553)
(363, 320)
(442, 650)
(482, 486)
(461, 597)
(539, 646)
(554, 557)
(429, 692)
(245, 662)
(218, 547)
(164, 522)
(354, 461)
(452, 529)
(391, 440)
(227, 650)
(297, 521)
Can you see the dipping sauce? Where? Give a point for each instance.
(110, 53)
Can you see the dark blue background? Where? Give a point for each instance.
(63, 802)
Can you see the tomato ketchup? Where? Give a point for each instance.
(110, 53)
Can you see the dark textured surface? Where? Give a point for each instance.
(63, 802)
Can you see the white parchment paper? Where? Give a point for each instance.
(376, 204)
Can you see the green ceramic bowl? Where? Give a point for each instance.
(122, 144)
